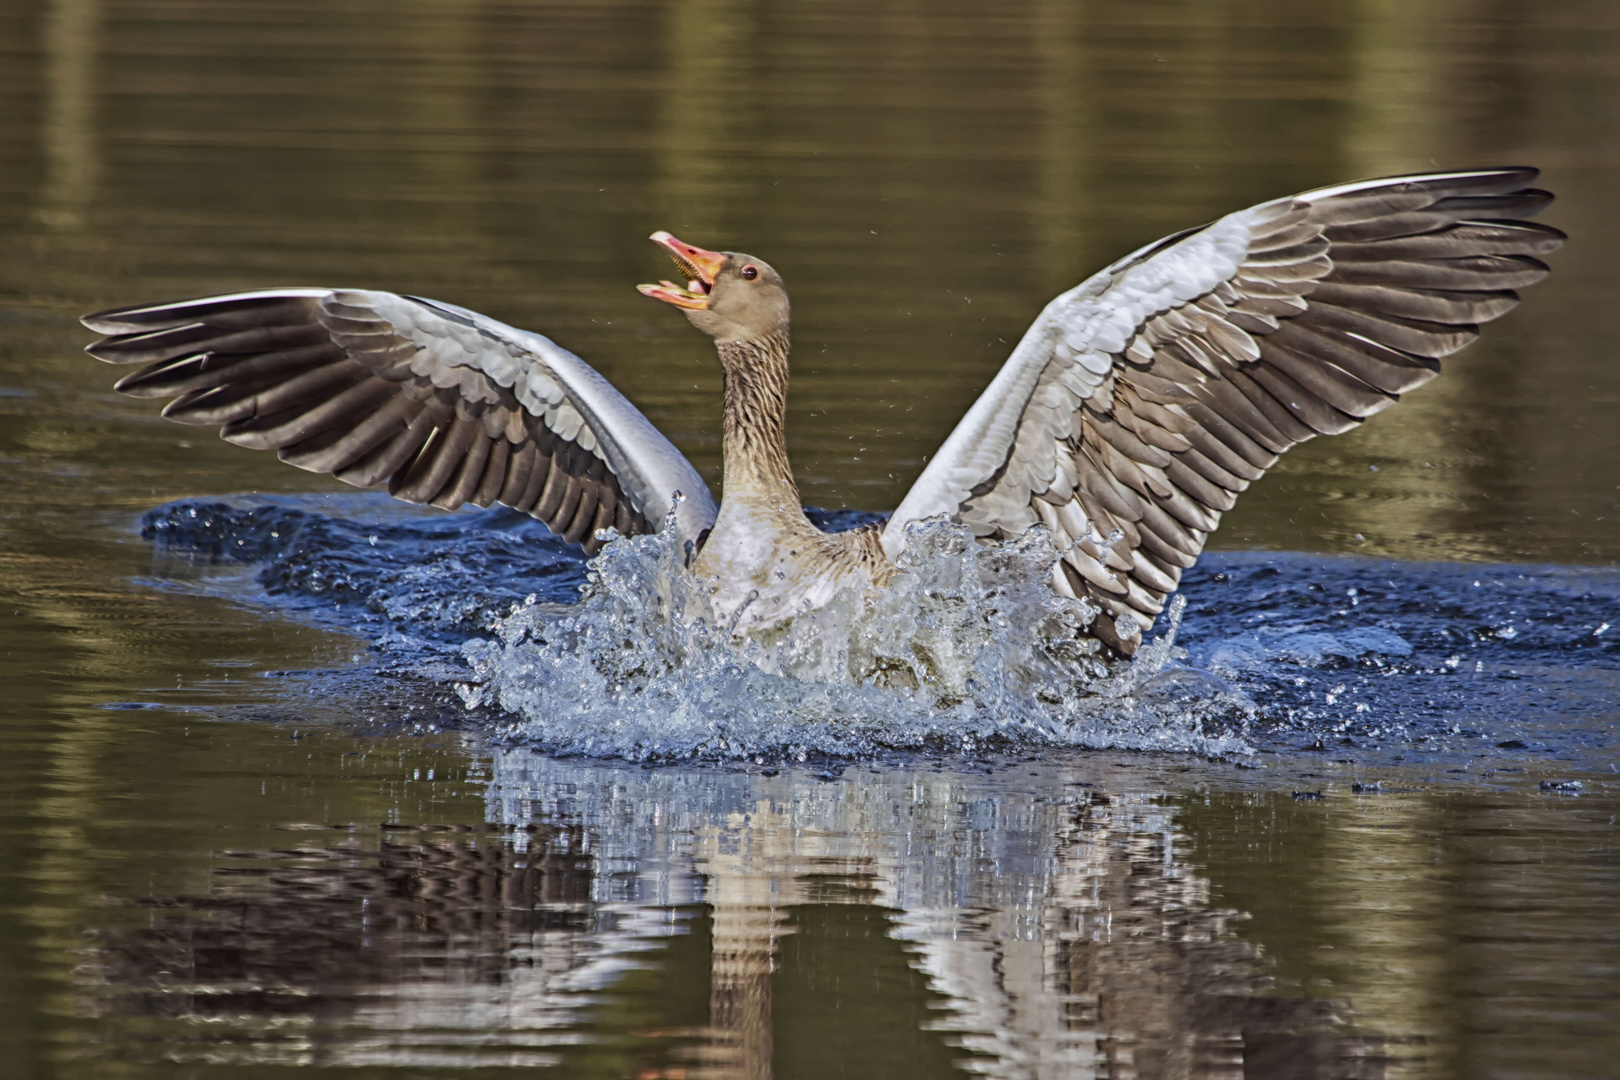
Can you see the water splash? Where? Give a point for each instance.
(1361, 657)
(967, 650)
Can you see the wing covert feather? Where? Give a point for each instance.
(1143, 401)
(443, 405)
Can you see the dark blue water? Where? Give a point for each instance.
(1454, 666)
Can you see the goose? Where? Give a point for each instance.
(1127, 419)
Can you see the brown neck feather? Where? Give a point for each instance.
(755, 432)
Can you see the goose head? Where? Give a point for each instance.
(729, 296)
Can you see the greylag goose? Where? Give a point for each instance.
(1134, 409)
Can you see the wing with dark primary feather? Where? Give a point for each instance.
(1144, 400)
(443, 405)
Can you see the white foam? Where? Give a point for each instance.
(968, 650)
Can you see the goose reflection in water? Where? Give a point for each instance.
(621, 922)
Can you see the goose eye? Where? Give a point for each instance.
(750, 272)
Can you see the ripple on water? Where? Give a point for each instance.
(968, 652)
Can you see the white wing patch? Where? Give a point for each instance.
(444, 405)
(1141, 402)
(1062, 360)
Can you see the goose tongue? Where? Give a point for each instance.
(699, 267)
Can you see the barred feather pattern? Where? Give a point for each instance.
(1141, 403)
(444, 406)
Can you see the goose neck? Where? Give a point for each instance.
(755, 422)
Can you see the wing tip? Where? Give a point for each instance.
(1499, 179)
(143, 317)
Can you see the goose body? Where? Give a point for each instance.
(1126, 420)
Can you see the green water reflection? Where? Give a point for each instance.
(926, 176)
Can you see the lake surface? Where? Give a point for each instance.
(245, 827)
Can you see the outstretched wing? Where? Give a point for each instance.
(444, 405)
(1144, 400)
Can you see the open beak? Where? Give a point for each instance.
(697, 266)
